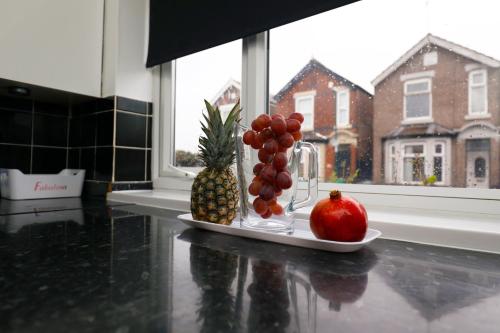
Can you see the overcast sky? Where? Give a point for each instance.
(357, 41)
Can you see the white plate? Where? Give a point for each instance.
(302, 235)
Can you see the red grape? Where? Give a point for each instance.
(282, 149)
(258, 168)
(276, 208)
(256, 126)
(267, 214)
(297, 116)
(286, 140)
(271, 146)
(278, 193)
(280, 161)
(264, 156)
(256, 143)
(248, 137)
(283, 180)
(264, 120)
(266, 192)
(266, 134)
(268, 173)
(292, 125)
(255, 187)
(278, 126)
(277, 115)
(260, 206)
(297, 135)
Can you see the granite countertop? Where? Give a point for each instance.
(110, 268)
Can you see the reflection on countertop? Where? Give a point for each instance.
(132, 268)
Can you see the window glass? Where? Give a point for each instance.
(305, 105)
(342, 108)
(411, 79)
(214, 75)
(417, 99)
(477, 91)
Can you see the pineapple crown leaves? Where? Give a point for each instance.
(217, 146)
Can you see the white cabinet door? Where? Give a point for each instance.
(53, 43)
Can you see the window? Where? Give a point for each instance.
(311, 79)
(305, 105)
(414, 163)
(438, 162)
(218, 83)
(480, 167)
(342, 108)
(417, 103)
(478, 93)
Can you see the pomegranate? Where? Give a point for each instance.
(339, 218)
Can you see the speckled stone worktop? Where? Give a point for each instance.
(101, 268)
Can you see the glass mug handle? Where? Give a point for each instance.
(312, 181)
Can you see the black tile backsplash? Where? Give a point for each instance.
(74, 158)
(105, 128)
(15, 126)
(16, 104)
(88, 130)
(131, 105)
(149, 132)
(87, 162)
(52, 109)
(104, 163)
(42, 137)
(50, 130)
(48, 160)
(130, 164)
(15, 157)
(130, 130)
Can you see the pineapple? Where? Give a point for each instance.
(214, 195)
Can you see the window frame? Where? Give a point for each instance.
(471, 86)
(255, 97)
(338, 109)
(423, 119)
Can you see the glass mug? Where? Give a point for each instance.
(247, 157)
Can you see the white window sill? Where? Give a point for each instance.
(480, 232)
(410, 121)
(478, 116)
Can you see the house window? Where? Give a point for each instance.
(342, 108)
(437, 163)
(478, 92)
(305, 105)
(480, 167)
(393, 164)
(413, 163)
(417, 101)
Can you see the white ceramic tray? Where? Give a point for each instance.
(302, 235)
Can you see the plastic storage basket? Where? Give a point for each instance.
(15, 185)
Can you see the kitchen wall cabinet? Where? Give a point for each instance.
(53, 43)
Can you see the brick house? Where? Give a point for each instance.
(437, 112)
(337, 118)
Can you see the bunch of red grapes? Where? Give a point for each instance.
(272, 136)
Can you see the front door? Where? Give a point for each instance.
(478, 169)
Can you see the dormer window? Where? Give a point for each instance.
(417, 100)
(478, 102)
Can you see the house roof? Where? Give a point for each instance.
(310, 66)
(420, 130)
(438, 41)
(230, 83)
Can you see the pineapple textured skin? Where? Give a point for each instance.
(214, 196)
